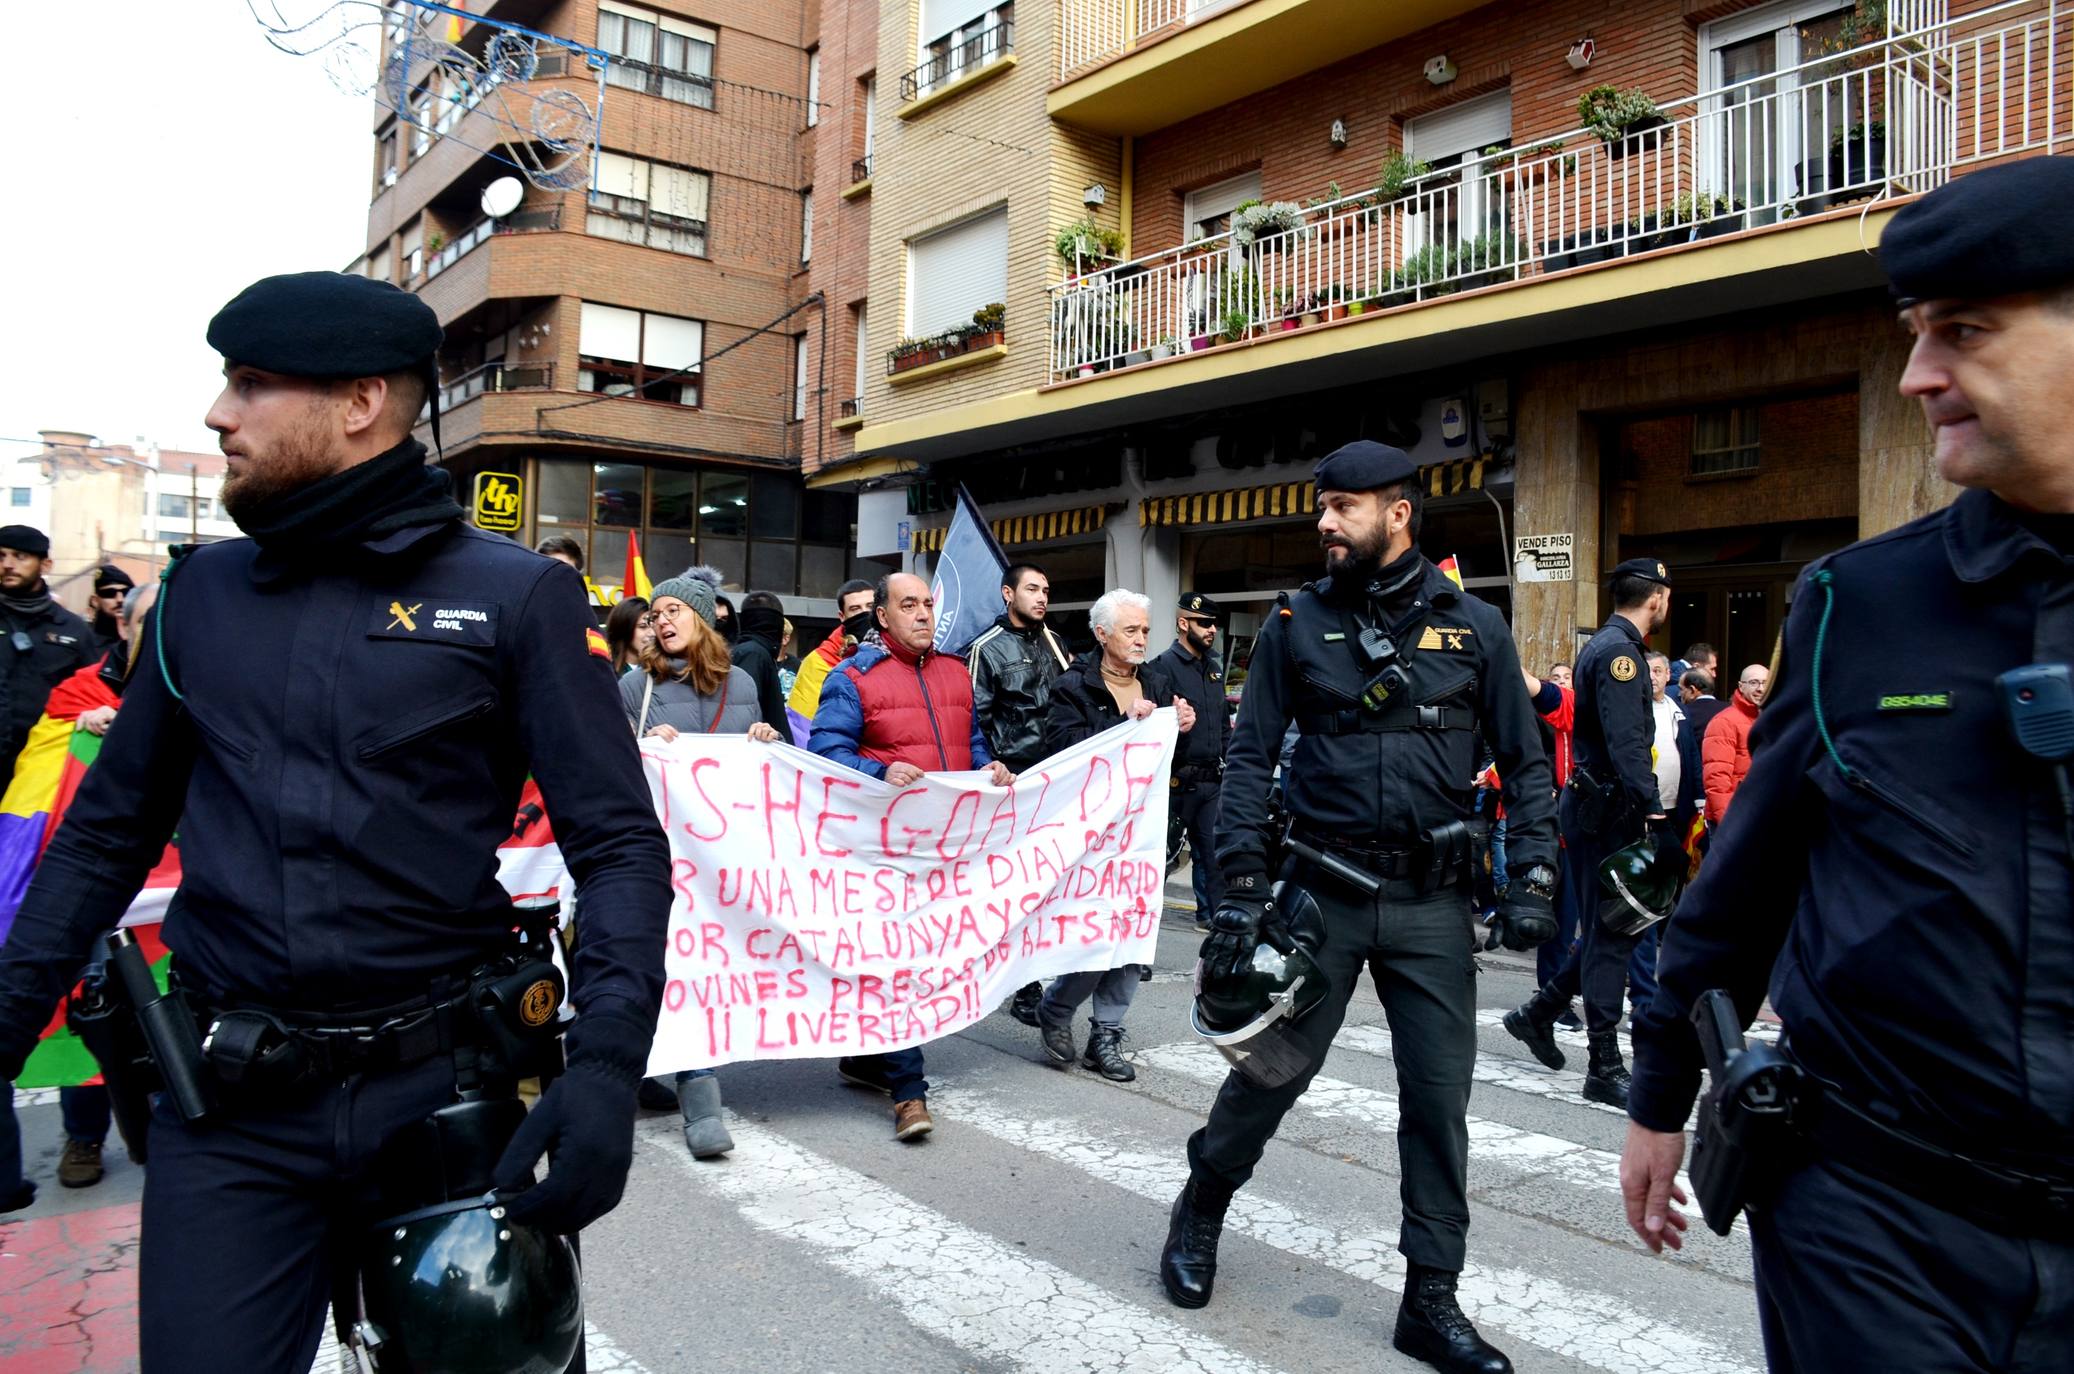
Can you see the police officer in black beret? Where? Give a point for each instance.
(1191, 664)
(1389, 672)
(339, 712)
(45, 642)
(1896, 866)
(1610, 803)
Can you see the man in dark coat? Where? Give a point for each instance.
(48, 643)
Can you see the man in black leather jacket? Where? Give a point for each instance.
(1013, 666)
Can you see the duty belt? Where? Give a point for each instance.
(2000, 1198)
(1355, 721)
(259, 1045)
(1191, 774)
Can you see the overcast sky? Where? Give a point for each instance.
(164, 157)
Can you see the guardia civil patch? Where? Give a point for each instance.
(1917, 701)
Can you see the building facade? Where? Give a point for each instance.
(1606, 271)
(125, 504)
(650, 356)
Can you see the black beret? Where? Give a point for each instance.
(326, 324)
(1648, 569)
(25, 539)
(108, 575)
(1989, 233)
(1364, 465)
(1195, 603)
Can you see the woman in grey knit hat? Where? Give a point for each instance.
(685, 684)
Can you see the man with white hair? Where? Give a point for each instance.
(1106, 687)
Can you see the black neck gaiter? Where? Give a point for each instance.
(392, 491)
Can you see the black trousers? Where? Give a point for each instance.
(1418, 950)
(1855, 1274)
(1195, 811)
(245, 1220)
(1598, 965)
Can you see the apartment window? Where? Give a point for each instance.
(657, 53)
(1767, 135)
(413, 250)
(806, 225)
(378, 265)
(18, 496)
(651, 203)
(871, 105)
(955, 271)
(959, 36)
(640, 354)
(1207, 212)
(421, 122)
(863, 334)
(172, 506)
(1724, 441)
(385, 162)
(799, 377)
(1459, 208)
(813, 87)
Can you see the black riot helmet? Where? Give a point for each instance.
(1250, 1017)
(1639, 885)
(451, 1286)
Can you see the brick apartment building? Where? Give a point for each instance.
(654, 354)
(1654, 330)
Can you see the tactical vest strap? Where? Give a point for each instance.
(1358, 722)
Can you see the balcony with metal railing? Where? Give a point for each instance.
(956, 62)
(497, 376)
(1870, 125)
(1132, 66)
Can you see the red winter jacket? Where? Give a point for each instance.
(1725, 753)
(882, 706)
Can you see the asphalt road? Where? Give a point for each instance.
(1025, 1233)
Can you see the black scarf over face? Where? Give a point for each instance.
(389, 492)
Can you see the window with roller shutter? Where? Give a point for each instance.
(640, 354)
(954, 271)
(651, 203)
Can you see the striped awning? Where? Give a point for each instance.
(1026, 529)
(1290, 500)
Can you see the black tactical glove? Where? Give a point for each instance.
(1526, 916)
(1235, 928)
(586, 1117)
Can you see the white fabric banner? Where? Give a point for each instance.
(819, 912)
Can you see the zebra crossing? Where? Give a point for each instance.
(1025, 1234)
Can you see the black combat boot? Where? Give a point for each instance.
(1105, 1054)
(1607, 1079)
(1431, 1327)
(1056, 1033)
(1023, 1006)
(1188, 1265)
(1532, 1023)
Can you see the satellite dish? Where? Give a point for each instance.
(502, 196)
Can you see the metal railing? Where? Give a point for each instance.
(1887, 119)
(498, 376)
(975, 52)
(1092, 31)
(860, 170)
(518, 222)
(849, 408)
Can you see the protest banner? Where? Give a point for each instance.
(819, 912)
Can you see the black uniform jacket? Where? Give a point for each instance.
(1012, 675)
(1909, 877)
(1082, 706)
(343, 758)
(1615, 726)
(1201, 681)
(60, 644)
(1384, 778)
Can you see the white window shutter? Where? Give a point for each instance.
(1469, 127)
(672, 343)
(1221, 199)
(608, 331)
(955, 271)
(678, 192)
(684, 30)
(941, 17)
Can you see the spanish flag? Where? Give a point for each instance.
(453, 23)
(1451, 570)
(636, 582)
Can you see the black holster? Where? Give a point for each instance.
(1446, 857)
(108, 1028)
(1745, 1137)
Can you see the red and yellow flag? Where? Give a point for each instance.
(1451, 570)
(636, 582)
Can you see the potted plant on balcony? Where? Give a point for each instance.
(1623, 120)
(1399, 172)
(1083, 242)
(1268, 227)
(1704, 215)
(1858, 155)
(1486, 260)
(1165, 348)
(1235, 325)
(989, 326)
(1421, 271)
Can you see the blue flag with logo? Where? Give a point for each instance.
(967, 580)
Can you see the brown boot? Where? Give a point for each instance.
(911, 1119)
(80, 1165)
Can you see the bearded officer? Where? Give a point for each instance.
(1896, 867)
(339, 712)
(1388, 671)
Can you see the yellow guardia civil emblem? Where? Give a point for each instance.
(404, 615)
(537, 1006)
(1622, 668)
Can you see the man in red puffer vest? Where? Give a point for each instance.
(894, 710)
(1725, 752)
